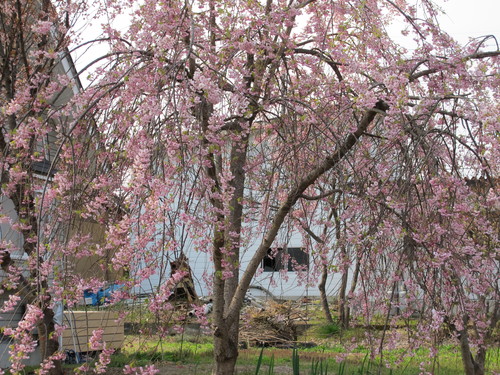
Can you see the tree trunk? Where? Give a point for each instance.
(354, 283)
(48, 345)
(226, 345)
(342, 303)
(345, 273)
(226, 349)
(475, 366)
(471, 366)
(46, 326)
(323, 296)
(324, 272)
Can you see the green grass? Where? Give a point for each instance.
(444, 364)
(138, 351)
(320, 360)
(327, 330)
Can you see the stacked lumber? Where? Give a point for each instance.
(81, 325)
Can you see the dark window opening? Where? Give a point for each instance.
(291, 259)
(298, 259)
(272, 261)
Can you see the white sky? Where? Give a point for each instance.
(470, 18)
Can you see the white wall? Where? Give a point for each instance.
(284, 285)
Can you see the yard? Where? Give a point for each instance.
(319, 348)
(193, 355)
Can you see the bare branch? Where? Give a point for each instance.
(321, 196)
(311, 233)
(475, 56)
(323, 57)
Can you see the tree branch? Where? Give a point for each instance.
(321, 196)
(323, 57)
(475, 56)
(324, 166)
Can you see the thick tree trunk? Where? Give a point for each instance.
(226, 345)
(342, 303)
(475, 366)
(225, 367)
(48, 345)
(323, 296)
(354, 283)
(226, 349)
(226, 249)
(471, 366)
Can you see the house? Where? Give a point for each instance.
(285, 274)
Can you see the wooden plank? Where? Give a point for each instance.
(92, 315)
(85, 338)
(91, 319)
(82, 342)
(80, 345)
(91, 324)
(84, 331)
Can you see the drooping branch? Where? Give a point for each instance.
(408, 17)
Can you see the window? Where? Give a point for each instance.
(298, 258)
(272, 261)
(291, 258)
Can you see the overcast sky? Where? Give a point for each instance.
(466, 18)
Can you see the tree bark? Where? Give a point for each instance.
(471, 367)
(354, 283)
(49, 345)
(342, 306)
(226, 347)
(345, 272)
(323, 296)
